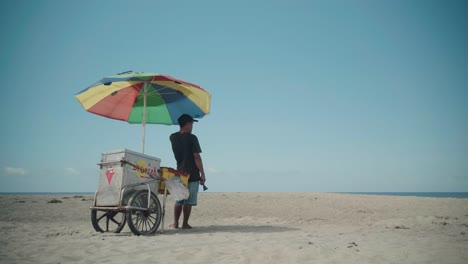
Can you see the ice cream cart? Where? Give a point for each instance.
(128, 188)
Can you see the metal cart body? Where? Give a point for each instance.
(117, 172)
(127, 192)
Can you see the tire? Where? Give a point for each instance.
(108, 220)
(144, 222)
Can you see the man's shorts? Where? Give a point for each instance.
(193, 190)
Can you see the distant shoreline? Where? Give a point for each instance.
(46, 193)
(409, 194)
(416, 194)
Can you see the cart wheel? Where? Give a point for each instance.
(144, 222)
(108, 221)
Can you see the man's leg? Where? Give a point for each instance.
(187, 211)
(177, 212)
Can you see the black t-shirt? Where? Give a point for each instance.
(184, 146)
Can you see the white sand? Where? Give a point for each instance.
(246, 228)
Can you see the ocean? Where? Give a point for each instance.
(415, 194)
(418, 194)
(46, 193)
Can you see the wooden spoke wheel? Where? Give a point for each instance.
(108, 220)
(144, 221)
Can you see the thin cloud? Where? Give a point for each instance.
(213, 170)
(14, 171)
(72, 171)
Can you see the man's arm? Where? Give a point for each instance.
(199, 163)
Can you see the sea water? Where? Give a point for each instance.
(415, 194)
(418, 194)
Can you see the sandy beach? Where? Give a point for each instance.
(245, 228)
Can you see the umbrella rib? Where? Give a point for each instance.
(156, 92)
(164, 88)
(150, 92)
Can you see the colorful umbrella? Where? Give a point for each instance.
(145, 98)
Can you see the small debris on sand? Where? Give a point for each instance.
(352, 244)
(401, 227)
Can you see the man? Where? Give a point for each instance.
(187, 154)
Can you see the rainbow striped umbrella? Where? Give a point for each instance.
(145, 98)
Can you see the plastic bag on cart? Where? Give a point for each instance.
(175, 187)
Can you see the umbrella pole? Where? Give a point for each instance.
(143, 123)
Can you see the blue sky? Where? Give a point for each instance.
(309, 96)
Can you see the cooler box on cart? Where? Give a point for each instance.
(115, 174)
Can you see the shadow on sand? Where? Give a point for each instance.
(211, 229)
(229, 229)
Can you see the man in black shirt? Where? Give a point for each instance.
(187, 154)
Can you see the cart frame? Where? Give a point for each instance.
(128, 194)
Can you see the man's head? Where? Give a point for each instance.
(185, 121)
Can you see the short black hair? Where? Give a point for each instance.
(184, 119)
